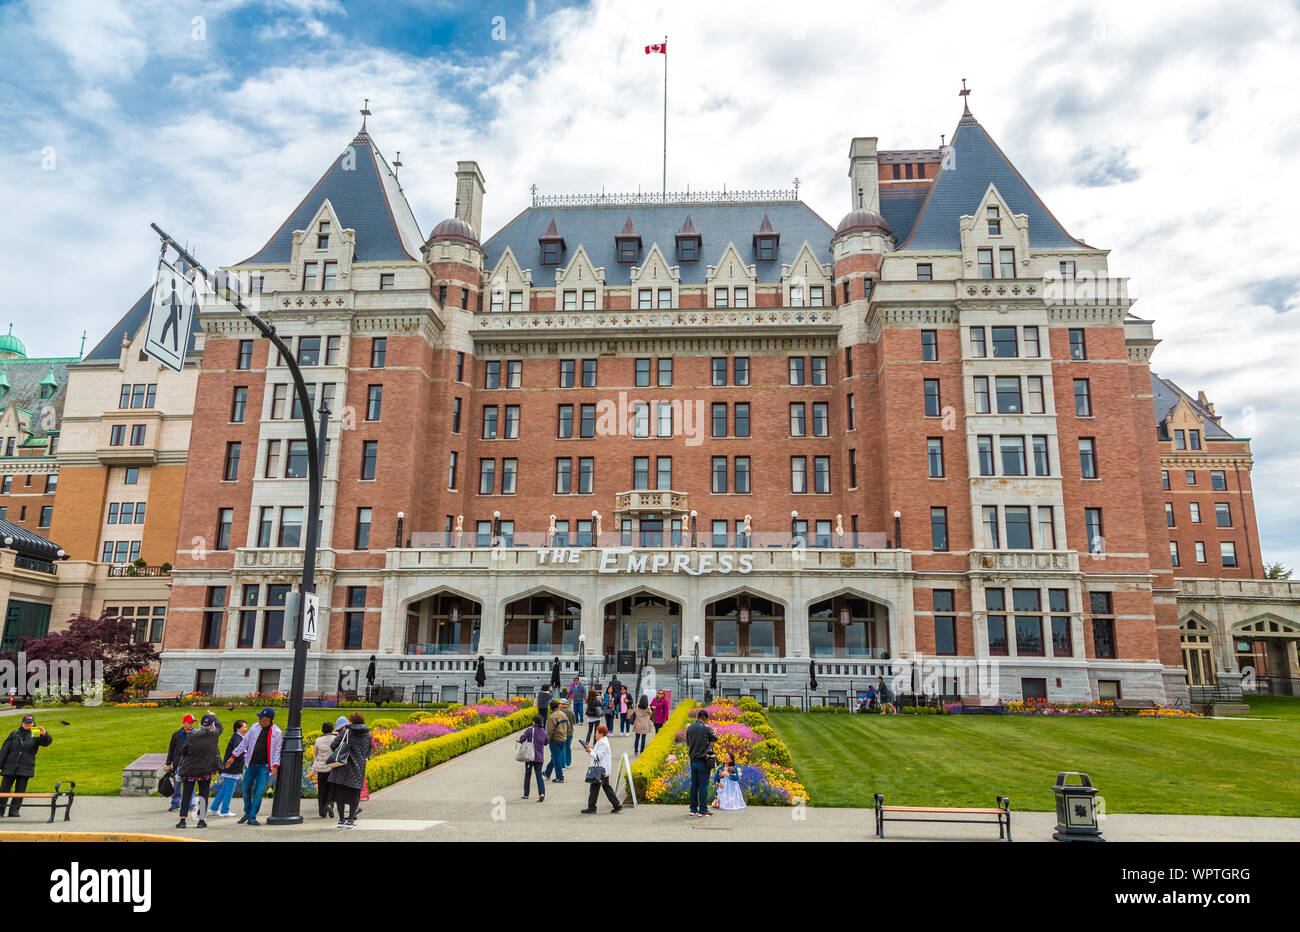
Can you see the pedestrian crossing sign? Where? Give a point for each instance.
(175, 302)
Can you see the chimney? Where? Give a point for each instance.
(864, 179)
(1205, 402)
(469, 195)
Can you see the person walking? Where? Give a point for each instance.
(544, 701)
(642, 720)
(566, 706)
(577, 696)
(18, 760)
(659, 705)
(536, 733)
(885, 697)
(593, 713)
(557, 730)
(260, 749)
(199, 760)
(179, 737)
(346, 781)
(699, 743)
(231, 773)
(323, 748)
(624, 711)
(608, 706)
(603, 757)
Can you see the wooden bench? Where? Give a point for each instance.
(162, 695)
(52, 799)
(1134, 704)
(1001, 814)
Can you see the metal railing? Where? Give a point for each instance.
(674, 198)
(29, 563)
(130, 569)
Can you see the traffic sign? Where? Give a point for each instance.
(175, 302)
(310, 614)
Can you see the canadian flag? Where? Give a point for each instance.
(661, 48)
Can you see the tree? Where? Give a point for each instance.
(1277, 571)
(108, 638)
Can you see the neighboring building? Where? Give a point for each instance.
(646, 424)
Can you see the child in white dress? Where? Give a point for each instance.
(728, 779)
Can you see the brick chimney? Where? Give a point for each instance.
(864, 181)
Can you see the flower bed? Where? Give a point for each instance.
(1043, 707)
(766, 775)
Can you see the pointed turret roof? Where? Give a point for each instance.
(109, 349)
(975, 162)
(365, 195)
(688, 229)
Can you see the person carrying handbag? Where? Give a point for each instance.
(598, 771)
(532, 746)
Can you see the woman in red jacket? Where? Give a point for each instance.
(660, 708)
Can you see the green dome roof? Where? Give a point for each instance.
(11, 344)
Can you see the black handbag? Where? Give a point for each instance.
(166, 787)
(595, 774)
(339, 756)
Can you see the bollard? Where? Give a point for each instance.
(1076, 810)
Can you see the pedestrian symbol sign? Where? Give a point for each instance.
(175, 302)
(310, 614)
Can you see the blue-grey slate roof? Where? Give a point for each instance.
(594, 228)
(900, 212)
(358, 186)
(110, 347)
(1166, 395)
(964, 177)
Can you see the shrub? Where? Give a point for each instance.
(749, 704)
(384, 723)
(420, 716)
(752, 719)
(773, 751)
(765, 731)
(651, 761)
(918, 710)
(388, 769)
(783, 708)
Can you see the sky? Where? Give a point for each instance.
(1166, 135)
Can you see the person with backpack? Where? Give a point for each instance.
(195, 767)
(231, 773)
(557, 732)
(179, 737)
(346, 781)
(593, 712)
(642, 719)
(535, 736)
(699, 742)
(18, 760)
(320, 767)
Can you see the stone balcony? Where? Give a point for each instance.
(651, 501)
(1270, 589)
(1025, 561)
(281, 558)
(508, 322)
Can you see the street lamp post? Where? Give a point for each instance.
(694, 513)
(288, 784)
(582, 652)
(898, 530)
(794, 528)
(400, 516)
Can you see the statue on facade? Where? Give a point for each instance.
(596, 515)
(550, 533)
(460, 529)
(748, 528)
(839, 528)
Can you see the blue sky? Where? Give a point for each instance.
(1169, 140)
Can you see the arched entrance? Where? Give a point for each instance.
(1268, 648)
(644, 621)
(443, 623)
(744, 625)
(542, 623)
(848, 626)
(1198, 653)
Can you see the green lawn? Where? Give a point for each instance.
(99, 742)
(1208, 767)
(1284, 707)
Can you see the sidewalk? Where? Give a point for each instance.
(476, 798)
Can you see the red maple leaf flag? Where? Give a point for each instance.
(661, 48)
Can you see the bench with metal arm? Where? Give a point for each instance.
(1001, 815)
(51, 799)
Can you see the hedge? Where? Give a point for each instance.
(388, 769)
(652, 758)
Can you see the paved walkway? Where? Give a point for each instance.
(476, 798)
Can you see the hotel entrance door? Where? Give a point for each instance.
(647, 623)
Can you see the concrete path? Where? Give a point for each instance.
(476, 798)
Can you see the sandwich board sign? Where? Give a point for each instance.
(175, 302)
(310, 614)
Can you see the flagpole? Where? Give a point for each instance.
(665, 183)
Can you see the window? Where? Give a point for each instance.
(938, 528)
(990, 517)
(308, 275)
(51, 483)
(265, 519)
(363, 530)
(931, 389)
(1228, 553)
(640, 419)
(1012, 451)
(1082, 398)
(798, 474)
(985, 257)
(131, 476)
(742, 418)
(1196, 512)
(642, 373)
(1031, 342)
(718, 367)
(945, 624)
(641, 472)
(1200, 551)
(1004, 343)
(719, 297)
(589, 300)
(116, 436)
(224, 518)
(565, 422)
(455, 415)
(1008, 392)
(1066, 268)
(665, 297)
(819, 370)
(490, 422)
(512, 422)
(1078, 346)
(1029, 626)
(1034, 389)
(934, 456)
(589, 373)
(663, 472)
(665, 372)
(929, 345)
(355, 618)
(719, 533)
(1173, 552)
(568, 372)
(1190, 476)
(1092, 522)
(451, 469)
(796, 370)
(719, 419)
(1218, 481)
(1180, 440)
(1062, 642)
(563, 475)
(296, 461)
(47, 513)
(994, 221)
(719, 472)
(238, 403)
(244, 360)
(509, 468)
(386, 281)
(1019, 534)
(516, 301)
(492, 374)
(1164, 479)
(797, 428)
(740, 369)
(460, 367)
(995, 605)
(587, 424)
(1007, 261)
(822, 474)
(924, 272)
(821, 419)
(984, 454)
(742, 475)
(586, 470)
(1103, 624)
(816, 296)
(378, 352)
(486, 476)
(369, 458)
(1087, 458)
(323, 235)
(231, 471)
(850, 412)
(309, 351)
(137, 435)
(627, 250)
(514, 373)
(550, 252)
(688, 249)
(1194, 438)
(1042, 465)
(981, 387)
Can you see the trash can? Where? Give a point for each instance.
(1076, 809)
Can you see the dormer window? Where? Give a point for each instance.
(552, 244)
(323, 235)
(765, 241)
(688, 242)
(628, 243)
(995, 221)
